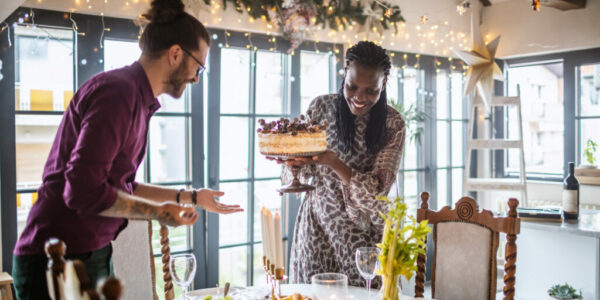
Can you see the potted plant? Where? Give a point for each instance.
(563, 292)
(590, 155)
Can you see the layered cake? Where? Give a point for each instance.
(297, 137)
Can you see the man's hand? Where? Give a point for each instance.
(207, 201)
(173, 214)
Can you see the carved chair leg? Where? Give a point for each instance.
(510, 267)
(420, 277)
(166, 257)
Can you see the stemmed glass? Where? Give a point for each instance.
(183, 269)
(367, 263)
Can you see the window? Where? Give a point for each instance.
(315, 74)
(245, 176)
(588, 110)
(254, 84)
(40, 101)
(167, 158)
(450, 137)
(541, 88)
(403, 91)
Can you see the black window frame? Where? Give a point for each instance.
(571, 61)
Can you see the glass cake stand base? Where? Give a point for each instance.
(295, 186)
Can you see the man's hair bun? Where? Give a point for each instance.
(164, 11)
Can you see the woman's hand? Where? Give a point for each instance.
(207, 200)
(327, 158)
(292, 161)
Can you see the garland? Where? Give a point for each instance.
(297, 18)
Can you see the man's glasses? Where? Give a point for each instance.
(201, 67)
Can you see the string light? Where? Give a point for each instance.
(74, 24)
(104, 29)
(7, 28)
(227, 35)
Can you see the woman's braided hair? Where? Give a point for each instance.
(366, 54)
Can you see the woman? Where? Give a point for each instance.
(365, 140)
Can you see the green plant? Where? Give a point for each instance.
(564, 291)
(589, 151)
(400, 246)
(414, 118)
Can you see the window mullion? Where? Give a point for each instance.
(250, 200)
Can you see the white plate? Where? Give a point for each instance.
(236, 293)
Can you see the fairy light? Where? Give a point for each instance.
(104, 29)
(7, 28)
(74, 26)
(227, 35)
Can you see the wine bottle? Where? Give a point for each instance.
(570, 195)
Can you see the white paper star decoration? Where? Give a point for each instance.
(482, 67)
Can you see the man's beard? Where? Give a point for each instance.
(176, 84)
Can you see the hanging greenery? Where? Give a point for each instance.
(297, 18)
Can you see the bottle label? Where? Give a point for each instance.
(569, 201)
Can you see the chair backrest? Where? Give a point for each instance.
(68, 280)
(465, 247)
(134, 260)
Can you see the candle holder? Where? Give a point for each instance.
(279, 278)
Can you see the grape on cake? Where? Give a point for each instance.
(299, 137)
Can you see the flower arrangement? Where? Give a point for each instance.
(401, 244)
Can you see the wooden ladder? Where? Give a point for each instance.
(497, 184)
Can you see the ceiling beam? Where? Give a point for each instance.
(486, 2)
(564, 4)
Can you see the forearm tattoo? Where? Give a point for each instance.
(127, 206)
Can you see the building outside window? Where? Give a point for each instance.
(40, 101)
(541, 88)
(588, 109)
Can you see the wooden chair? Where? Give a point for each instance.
(5, 286)
(133, 259)
(68, 280)
(465, 247)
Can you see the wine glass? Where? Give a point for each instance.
(183, 269)
(367, 263)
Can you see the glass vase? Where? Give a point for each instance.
(390, 287)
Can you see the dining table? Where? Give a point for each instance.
(261, 292)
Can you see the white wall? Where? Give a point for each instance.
(438, 11)
(7, 7)
(526, 32)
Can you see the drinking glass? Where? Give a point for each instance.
(367, 263)
(329, 286)
(183, 269)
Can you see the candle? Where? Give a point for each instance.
(262, 230)
(266, 234)
(271, 236)
(278, 246)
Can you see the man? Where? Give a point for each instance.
(88, 190)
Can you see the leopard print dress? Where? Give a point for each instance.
(335, 218)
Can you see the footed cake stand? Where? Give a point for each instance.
(295, 186)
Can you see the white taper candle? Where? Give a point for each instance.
(278, 242)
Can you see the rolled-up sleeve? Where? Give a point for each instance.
(104, 125)
(364, 187)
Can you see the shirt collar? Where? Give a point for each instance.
(145, 87)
